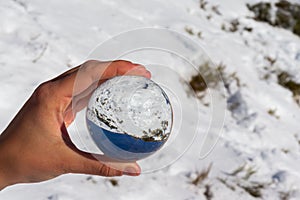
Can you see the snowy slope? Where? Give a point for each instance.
(258, 152)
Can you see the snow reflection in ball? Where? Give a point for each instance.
(129, 117)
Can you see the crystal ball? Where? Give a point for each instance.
(129, 117)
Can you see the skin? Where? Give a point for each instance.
(36, 147)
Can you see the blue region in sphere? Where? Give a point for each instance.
(122, 146)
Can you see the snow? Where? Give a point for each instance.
(40, 39)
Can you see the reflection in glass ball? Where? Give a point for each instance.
(129, 117)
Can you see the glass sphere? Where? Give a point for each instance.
(129, 117)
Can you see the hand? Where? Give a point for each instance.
(36, 147)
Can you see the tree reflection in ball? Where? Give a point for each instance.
(129, 117)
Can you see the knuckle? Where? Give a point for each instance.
(88, 62)
(43, 92)
(89, 65)
(107, 171)
(103, 170)
(122, 62)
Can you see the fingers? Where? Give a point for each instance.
(112, 167)
(121, 67)
(91, 72)
(103, 166)
(78, 84)
(66, 73)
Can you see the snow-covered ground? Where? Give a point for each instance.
(258, 154)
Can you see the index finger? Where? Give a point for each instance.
(91, 72)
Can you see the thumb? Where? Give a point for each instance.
(101, 165)
(95, 164)
(127, 168)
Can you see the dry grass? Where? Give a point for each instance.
(189, 30)
(241, 178)
(201, 176)
(203, 4)
(287, 14)
(114, 182)
(286, 81)
(272, 112)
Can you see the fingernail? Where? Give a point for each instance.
(130, 171)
